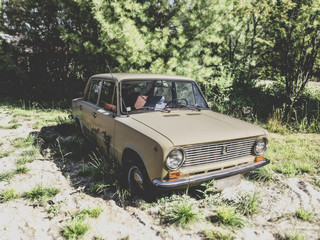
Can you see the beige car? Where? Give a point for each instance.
(163, 133)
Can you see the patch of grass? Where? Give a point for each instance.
(23, 142)
(262, 174)
(41, 193)
(215, 233)
(74, 230)
(294, 154)
(21, 170)
(13, 121)
(316, 182)
(304, 215)
(1, 143)
(228, 216)
(296, 236)
(36, 125)
(8, 195)
(93, 213)
(249, 204)
(6, 176)
(11, 126)
(28, 156)
(85, 171)
(181, 213)
(5, 154)
(98, 188)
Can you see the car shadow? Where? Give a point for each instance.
(88, 168)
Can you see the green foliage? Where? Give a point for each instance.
(6, 176)
(228, 216)
(93, 213)
(8, 195)
(248, 204)
(23, 142)
(304, 215)
(5, 154)
(41, 193)
(21, 170)
(74, 230)
(262, 174)
(181, 213)
(215, 234)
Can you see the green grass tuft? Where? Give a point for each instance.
(215, 233)
(249, 204)
(93, 213)
(40, 193)
(24, 142)
(8, 195)
(21, 170)
(6, 176)
(5, 154)
(304, 215)
(181, 213)
(74, 230)
(228, 216)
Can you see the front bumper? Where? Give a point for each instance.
(195, 180)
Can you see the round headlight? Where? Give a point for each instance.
(260, 146)
(175, 159)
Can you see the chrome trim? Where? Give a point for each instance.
(216, 152)
(256, 143)
(182, 162)
(196, 180)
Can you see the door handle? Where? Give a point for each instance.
(94, 114)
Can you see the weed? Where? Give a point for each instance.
(75, 230)
(21, 170)
(24, 142)
(296, 236)
(181, 213)
(85, 171)
(13, 121)
(53, 211)
(40, 193)
(304, 215)
(5, 154)
(8, 195)
(215, 233)
(293, 168)
(248, 204)
(6, 176)
(98, 188)
(228, 216)
(93, 213)
(263, 174)
(36, 125)
(1, 143)
(316, 182)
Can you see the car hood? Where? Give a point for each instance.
(190, 127)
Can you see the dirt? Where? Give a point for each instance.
(25, 219)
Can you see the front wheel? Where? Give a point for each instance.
(138, 180)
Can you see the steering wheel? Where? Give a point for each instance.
(177, 99)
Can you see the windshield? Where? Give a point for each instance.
(160, 95)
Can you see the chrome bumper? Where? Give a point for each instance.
(195, 180)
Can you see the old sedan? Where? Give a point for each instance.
(162, 132)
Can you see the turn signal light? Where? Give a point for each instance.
(259, 158)
(174, 174)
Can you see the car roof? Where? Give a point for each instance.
(139, 76)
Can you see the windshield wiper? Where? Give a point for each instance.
(191, 107)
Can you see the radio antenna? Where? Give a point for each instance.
(109, 67)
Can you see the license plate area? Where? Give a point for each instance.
(227, 182)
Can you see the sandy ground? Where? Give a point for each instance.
(23, 219)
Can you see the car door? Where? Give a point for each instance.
(89, 108)
(106, 114)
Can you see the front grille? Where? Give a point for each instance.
(217, 152)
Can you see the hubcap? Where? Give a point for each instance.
(135, 178)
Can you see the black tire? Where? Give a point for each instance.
(138, 181)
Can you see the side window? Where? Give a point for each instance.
(185, 91)
(108, 95)
(94, 90)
